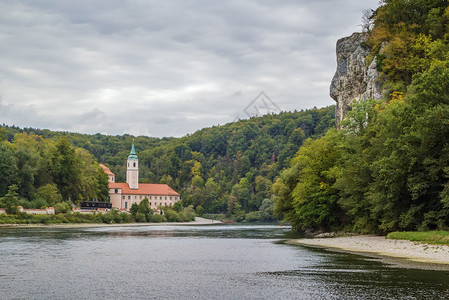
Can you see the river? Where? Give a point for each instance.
(195, 262)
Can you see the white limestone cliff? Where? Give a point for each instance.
(353, 78)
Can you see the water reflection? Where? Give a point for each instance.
(201, 262)
(209, 231)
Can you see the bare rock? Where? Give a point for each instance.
(353, 80)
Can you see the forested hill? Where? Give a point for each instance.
(223, 169)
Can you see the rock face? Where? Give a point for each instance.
(353, 79)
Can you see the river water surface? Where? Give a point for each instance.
(195, 262)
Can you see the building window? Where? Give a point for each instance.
(134, 165)
(116, 191)
(150, 203)
(126, 205)
(123, 197)
(151, 198)
(171, 203)
(160, 198)
(165, 198)
(140, 197)
(170, 198)
(135, 197)
(129, 197)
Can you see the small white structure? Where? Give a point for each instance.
(35, 211)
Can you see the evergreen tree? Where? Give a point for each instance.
(11, 200)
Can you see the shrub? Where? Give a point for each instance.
(171, 215)
(126, 218)
(60, 219)
(39, 203)
(158, 218)
(62, 208)
(49, 193)
(25, 203)
(266, 210)
(44, 219)
(240, 216)
(107, 218)
(190, 213)
(183, 217)
(97, 218)
(140, 217)
(116, 218)
(38, 219)
(199, 210)
(5, 219)
(79, 218)
(252, 216)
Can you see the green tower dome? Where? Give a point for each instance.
(132, 154)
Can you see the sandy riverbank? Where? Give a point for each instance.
(198, 221)
(380, 246)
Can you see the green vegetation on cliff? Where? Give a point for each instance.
(408, 36)
(388, 168)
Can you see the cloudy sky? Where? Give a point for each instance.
(165, 68)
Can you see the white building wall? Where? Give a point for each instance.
(132, 174)
(125, 201)
(115, 198)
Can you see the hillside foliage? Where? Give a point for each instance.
(37, 172)
(408, 36)
(223, 169)
(387, 169)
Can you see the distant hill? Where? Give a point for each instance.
(227, 168)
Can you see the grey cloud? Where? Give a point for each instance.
(164, 67)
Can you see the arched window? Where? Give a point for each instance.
(134, 165)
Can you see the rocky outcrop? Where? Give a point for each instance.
(353, 78)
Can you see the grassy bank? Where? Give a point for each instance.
(429, 237)
(112, 217)
(107, 218)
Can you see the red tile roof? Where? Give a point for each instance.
(106, 169)
(145, 189)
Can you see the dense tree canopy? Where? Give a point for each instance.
(46, 172)
(387, 173)
(407, 37)
(223, 169)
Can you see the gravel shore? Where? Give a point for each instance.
(379, 245)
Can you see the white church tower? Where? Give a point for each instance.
(132, 170)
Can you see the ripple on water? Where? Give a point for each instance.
(201, 262)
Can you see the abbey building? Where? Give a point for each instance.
(123, 195)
